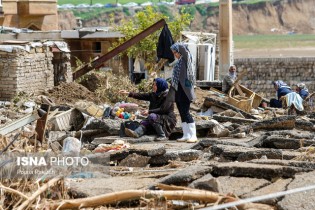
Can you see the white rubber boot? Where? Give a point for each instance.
(185, 133)
(192, 133)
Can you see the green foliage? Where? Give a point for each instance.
(145, 86)
(75, 2)
(141, 21)
(190, 9)
(166, 11)
(201, 9)
(90, 13)
(126, 11)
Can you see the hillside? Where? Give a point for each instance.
(276, 17)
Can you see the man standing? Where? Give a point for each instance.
(229, 79)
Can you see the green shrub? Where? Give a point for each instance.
(126, 11)
(201, 9)
(166, 11)
(191, 10)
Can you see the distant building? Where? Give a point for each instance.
(87, 44)
(37, 15)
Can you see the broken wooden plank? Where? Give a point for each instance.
(208, 102)
(19, 123)
(41, 125)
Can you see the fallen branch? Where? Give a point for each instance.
(42, 189)
(115, 197)
(10, 190)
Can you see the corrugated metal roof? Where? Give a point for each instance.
(74, 34)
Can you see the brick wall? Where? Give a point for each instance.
(262, 71)
(22, 71)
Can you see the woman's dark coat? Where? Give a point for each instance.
(160, 106)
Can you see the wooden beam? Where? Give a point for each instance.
(19, 123)
(99, 62)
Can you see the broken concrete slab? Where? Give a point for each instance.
(301, 200)
(257, 141)
(255, 170)
(244, 153)
(148, 149)
(110, 126)
(207, 182)
(170, 155)
(99, 186)
(277, 123)
(240, 185)
(207, 142)
(293, 163)
(304, 125)
(237, 120)
(292, 134)
(189, 155)
(186, 175)
(111, 139)
(99, 158)
(135, 160)
(286, 143)
(200, 124)
(277, 186)
(118, 155)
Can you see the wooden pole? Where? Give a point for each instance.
(205, 196)
(225, 36)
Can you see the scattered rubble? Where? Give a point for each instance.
(240, 154)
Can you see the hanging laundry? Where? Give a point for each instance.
(164, 45)
(139, 65)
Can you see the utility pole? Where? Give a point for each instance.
(225, 36)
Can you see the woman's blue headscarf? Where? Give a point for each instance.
(161, 85)
(280, 84)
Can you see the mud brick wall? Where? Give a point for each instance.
(22, 71)
(263, 71)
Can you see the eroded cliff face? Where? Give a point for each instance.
(275, 17)
(280, 16)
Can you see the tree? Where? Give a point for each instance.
(144, 19)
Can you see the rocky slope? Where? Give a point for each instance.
(280, 16)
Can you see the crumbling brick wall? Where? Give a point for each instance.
(22, 71)
(263, 71)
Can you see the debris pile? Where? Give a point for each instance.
(69, 93)
(241, 153)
